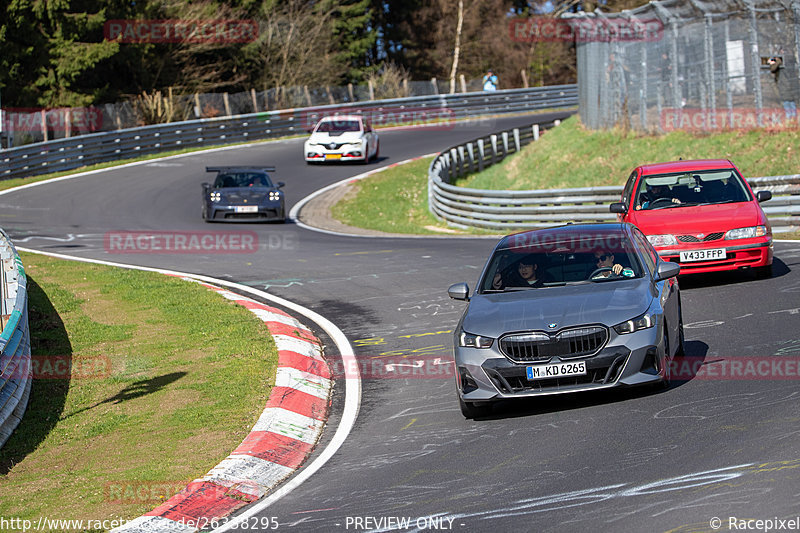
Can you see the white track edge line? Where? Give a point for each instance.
(352, 400)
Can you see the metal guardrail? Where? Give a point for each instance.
(15, 344)
(506, 210)
(75, 152)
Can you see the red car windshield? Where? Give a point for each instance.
(702, 187)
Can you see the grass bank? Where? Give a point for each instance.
(573, 156)
(396, 200)
(166, 379)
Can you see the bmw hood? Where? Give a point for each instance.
(608, 303)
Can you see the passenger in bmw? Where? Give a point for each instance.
(526, 274)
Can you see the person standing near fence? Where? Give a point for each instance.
(785, 85)
(490, 81)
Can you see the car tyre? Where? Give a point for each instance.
(366, 155)
(764, 272)
(377, 151)
(473, 410)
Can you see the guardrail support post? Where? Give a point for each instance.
(493, 137)
(471, 155)
(535, 132)
(481, 154)
(456, 163)
(515, 131)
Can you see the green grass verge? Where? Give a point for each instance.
(396, 200)
(190, 373)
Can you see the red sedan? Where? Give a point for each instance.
(701, 214)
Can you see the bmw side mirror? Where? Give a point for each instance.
(763, 196)
(666, 270)
(281, 184)
(459, 291)
(618, 207)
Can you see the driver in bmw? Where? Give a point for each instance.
(605, 259)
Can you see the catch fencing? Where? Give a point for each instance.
(510, 210)
(15, 343)
(31, 125)
(715, 65)
(75, 152)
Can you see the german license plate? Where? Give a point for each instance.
(333, 156)
(246, 209)
(702, 255)
(556, 370)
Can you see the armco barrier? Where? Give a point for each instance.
(15, 342)
(507, 210)
(75, 152)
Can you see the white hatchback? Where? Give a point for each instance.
(342, 138)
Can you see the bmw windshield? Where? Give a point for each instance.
(578, 258)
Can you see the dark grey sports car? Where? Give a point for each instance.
(243, 194)
(567, 309)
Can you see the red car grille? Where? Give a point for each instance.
(693, 238)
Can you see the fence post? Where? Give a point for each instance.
(461, 159)
(505, 143)
(481, 154)
(516, 139)
(227, 104)
(535, 132)
(493, 138)
(253, 98)
(435, 86)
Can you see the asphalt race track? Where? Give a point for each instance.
(709, 447)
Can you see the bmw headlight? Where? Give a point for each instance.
(644, 321)
(662, 240)
(468, 340)
(746, 233)
(215, 196)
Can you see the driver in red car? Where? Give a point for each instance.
(655, 193)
